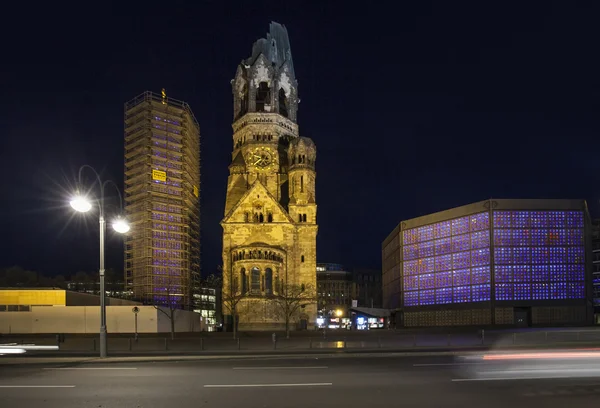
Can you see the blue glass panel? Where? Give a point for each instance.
(503, 255)
(461, 260)
(521, 237)
(575, 236)
(460, 226)
(540, 255)
(426, 233)
(411, 252)
(411, 298)
(522, 291)
(442, 229)
(504, 273)
(502, 237)
(443, 295)
(558, 290)
(411, 267)
(411, 282)
(502, 219)
(557, 273)
(443, 263)
(522, 255)
(576, 272)
(574, 219)
(479, 221)
(504, 291)
(557, 237)
(480, 274)
(461, 243)
(480, 257)
(426, 281)
(539, 237)
(522, 273)
(521, 219)
(480, 293)
(575, 290)
(426, 265)
(558, 255)
(480, 239)
(539, 291)
(426, 249)
(427, 297)
(443, 246)
(539, 219)
(462, 294)
(461, 277)
(539, 273)
(556, 219)
(575, 255)
(443, 279)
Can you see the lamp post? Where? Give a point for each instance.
(81, 203)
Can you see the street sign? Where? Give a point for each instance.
(135, 310)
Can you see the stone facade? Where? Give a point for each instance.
(270, 224)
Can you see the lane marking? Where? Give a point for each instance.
(280, 368)
(445, 364)
(90, 368)
(37, 386)
(266, 385)
(509, 378)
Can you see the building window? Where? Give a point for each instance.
(270, 217)
(301, 184)
(244, 281)
(283, 109)
(263, 97)
(255, 280)
(268, 280)
(302, 258)
(303, 217)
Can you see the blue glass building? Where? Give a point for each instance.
(495, 262)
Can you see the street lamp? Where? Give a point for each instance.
(81, 203)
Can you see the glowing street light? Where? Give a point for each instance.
(339, 313)
(81, 203)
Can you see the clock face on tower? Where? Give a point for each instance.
(262, 157)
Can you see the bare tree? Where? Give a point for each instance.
(232, 294)
(173, 299)
(291, 299)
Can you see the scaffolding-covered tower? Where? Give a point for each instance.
(162, 190)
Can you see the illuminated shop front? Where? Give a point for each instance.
(494, 262)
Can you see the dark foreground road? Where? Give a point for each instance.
(350, 381)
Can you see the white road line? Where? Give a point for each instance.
(90, 368)
(445, 364)
(280, 368)
(266, 385)
(506, 378)
(37, 386)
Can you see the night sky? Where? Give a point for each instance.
(414, 109)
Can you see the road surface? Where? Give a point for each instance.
(308, 381)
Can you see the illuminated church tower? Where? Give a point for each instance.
(270, 224)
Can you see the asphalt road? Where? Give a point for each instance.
(309, 381)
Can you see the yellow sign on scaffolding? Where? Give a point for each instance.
(196, 191)
(164, 96)
(159, 175)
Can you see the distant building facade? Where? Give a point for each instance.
(335, 288)
(495, 262)
(368, 287)
(206, 303)
(596, 263)
(162, 189)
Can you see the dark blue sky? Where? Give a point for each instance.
(414, 108)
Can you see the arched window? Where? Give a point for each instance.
(244, 101)
(303, 217)
(283, 110)
(270, 217)
(276, 287)
(255, 280)
(261, 218)
(263, 97)
(268, 281)
(302, 258)
(299, 217)
(244, 281)
(247, 217)
(301, 184)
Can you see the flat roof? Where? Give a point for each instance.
(493, 203)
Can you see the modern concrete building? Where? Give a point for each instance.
(494, 262)
(335, 288)
(162, 189)
(270, 223)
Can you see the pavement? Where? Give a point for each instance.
(357, 380)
